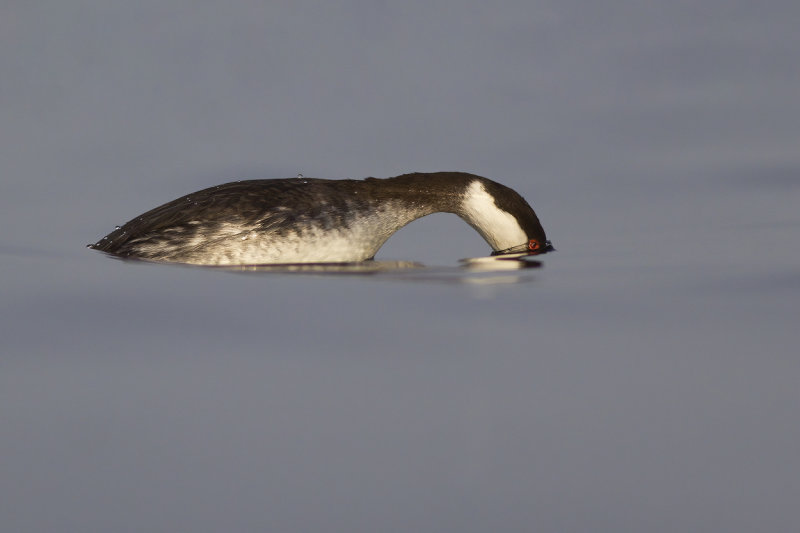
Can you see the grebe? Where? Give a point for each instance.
(305, 220)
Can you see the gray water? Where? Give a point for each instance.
(644, 379)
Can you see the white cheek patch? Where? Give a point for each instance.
(499, 228)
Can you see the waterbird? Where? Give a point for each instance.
(311, 220)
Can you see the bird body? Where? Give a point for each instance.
(305, 220)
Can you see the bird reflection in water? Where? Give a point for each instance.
(487, 270)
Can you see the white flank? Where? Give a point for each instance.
(500, 229)
(233, 244)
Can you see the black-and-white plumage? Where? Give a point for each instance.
(305, 220)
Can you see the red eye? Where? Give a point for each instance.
(533, 245)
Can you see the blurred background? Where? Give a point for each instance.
(645, 379)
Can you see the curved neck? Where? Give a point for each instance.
(466, 195)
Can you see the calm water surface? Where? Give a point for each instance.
(643, 378)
